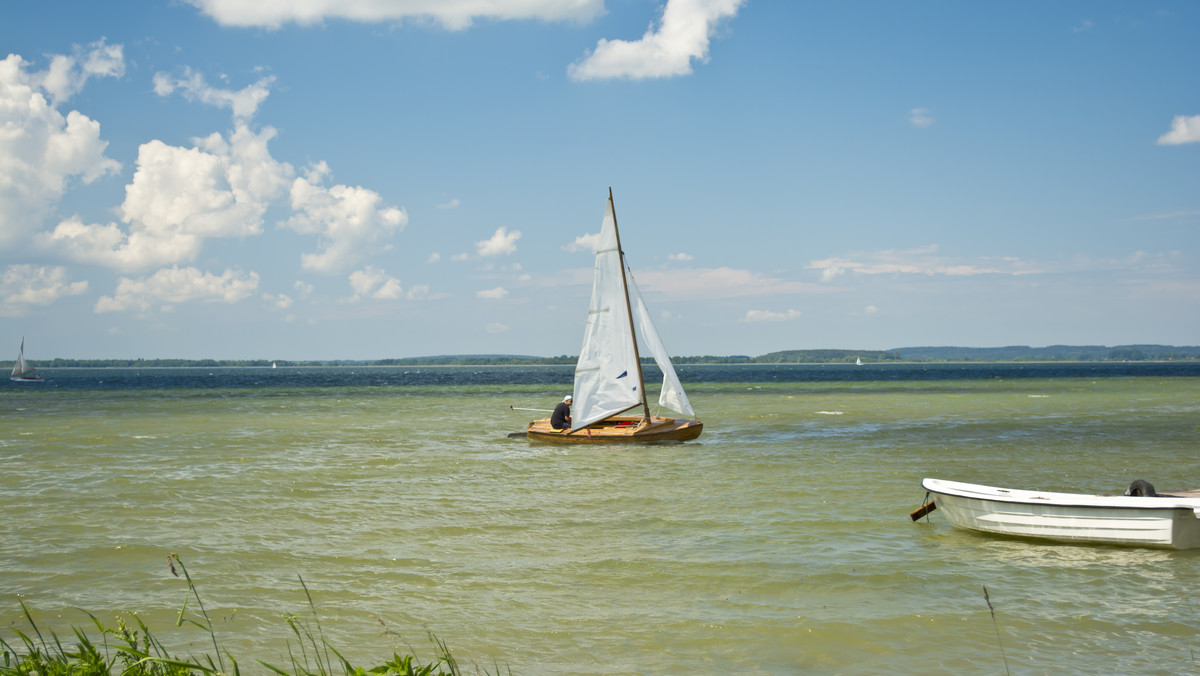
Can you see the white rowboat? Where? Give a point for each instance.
(1168, 520)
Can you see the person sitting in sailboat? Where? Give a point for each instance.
(561, 418)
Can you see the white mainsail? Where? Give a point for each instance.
(606, 375)
(608, 379)
(22, 367)
(672, 395)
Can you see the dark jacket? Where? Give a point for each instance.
(561, 418)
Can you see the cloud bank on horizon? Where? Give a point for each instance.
(184, 201)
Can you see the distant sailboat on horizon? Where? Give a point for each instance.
(23, 371)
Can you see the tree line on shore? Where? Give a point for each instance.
(829, 356)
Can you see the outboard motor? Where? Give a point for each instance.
(1141, 488)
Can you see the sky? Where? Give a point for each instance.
(368, 179)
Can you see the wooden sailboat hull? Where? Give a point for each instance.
(617, 430)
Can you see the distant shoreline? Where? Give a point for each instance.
(1062, 354)
(299, 365)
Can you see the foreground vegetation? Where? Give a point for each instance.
(135, 651)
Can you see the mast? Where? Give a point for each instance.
(637, 359)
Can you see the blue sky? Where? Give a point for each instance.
(362, 179)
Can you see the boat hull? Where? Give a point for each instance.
(27, 379)
(617, 430)
(1167, 521)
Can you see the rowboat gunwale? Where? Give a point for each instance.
(1188, 499)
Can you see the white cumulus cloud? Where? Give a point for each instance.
(450, 14)
(23, 286)
(769, 316)
(174, 285)
(222, 187)
(1183, 130)
(67, 75)
(492, 294)
(350, 222)
(281, 301)
(584, 243)
(375, 284)
(682, 35)
(372, 283)
(179, 198)
(242, 103)
(501, 242)
(41, 149)
(920, 117)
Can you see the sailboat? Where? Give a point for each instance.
(608, 375)
(22, 372)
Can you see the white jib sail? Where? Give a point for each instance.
(606, 376)
(672, 395)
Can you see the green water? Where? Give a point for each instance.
(779, 542)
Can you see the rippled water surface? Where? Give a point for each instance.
(779, 542)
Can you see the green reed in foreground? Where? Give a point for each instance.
(134, 651)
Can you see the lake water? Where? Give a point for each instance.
(779, 542)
